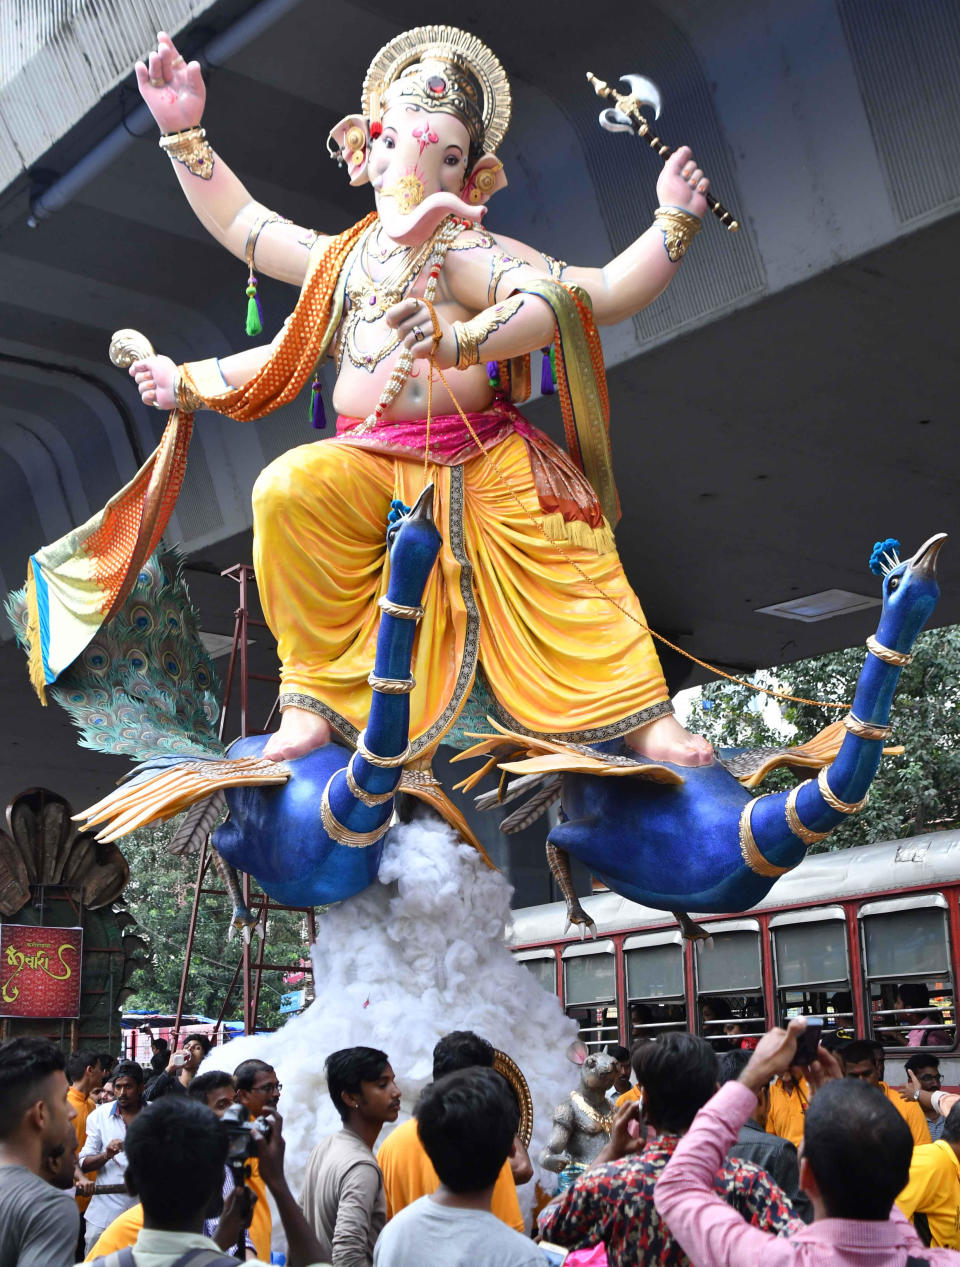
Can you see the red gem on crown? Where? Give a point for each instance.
(437, 85)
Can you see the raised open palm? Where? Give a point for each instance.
(172, 88)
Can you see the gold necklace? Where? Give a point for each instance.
(370, 298)
(603, 1120)
(381, 254)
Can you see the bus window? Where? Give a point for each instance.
(910, 985)
(729, 985)
(542, 966)
(811, 968)
(590, 993)
(655, 989)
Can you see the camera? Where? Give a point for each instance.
(240, 1143)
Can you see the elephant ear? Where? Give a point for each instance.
(483, 182)
(349, 141)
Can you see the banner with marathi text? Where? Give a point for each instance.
(40, 971)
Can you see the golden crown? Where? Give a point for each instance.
(443, 68)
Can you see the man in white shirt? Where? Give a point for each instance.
(466, 1122)
(103, 1150)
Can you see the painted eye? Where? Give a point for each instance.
(893, 583)
(388, 142)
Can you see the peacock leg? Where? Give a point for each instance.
(558, 860)
(243, 919)
(691, 930)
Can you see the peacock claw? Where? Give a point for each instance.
(691, 930)
(578, 918)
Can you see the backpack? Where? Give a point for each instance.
(192, 1258)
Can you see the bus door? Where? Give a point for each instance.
(811, 968)
(908, 972)
(656, 997)
(729, 985)
(590, 992)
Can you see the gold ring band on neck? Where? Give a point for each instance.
(794, 822)
(370, 799)
(834, 801)
(399, 610)
(392, 685)
(866, 729)
(887, 654)
(384, 763)
(343, 835)
(749, 849)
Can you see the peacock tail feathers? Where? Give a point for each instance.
(145, 686)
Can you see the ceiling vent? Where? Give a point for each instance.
(821, 606)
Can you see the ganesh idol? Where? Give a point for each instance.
(430, 318)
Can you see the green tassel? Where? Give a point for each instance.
(553, 361)
(254, 318)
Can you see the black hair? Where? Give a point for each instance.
(246, 1072)
(25, 1063)
(678, 1074)
(202, 1039)
(641, 1013)
(617, 1052)
(78, 1064)
(860, 1049)
(347, 1068)
(914, 995)
(176, 1150)
(205, 1083)
(951, 1127)
(731, 1064)
(461, 1049)
(466, 1121)
(128, 1069)
(859, 1148)
(918, 1061)
(719, 1006)
(107, 1060)
(161, 1043)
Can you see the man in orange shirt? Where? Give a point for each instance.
(788, 1108)
(863, 1059)
(408, 1173)
(85, 1075)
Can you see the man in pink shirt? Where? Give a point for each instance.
(854, 1162)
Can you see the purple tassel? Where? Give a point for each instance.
(547, 386)
(317, 415)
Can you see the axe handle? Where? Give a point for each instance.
(642, 129)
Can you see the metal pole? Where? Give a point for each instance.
(203, 863)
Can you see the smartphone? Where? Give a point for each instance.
(809, 1041)
(179, 1059)
(553, 1254)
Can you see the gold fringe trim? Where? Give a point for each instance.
(577, 533)
(38, 679)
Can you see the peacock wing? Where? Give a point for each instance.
(752, 765)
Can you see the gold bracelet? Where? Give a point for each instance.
(188, 401)
(191, 149)
(887, 654)
(370, 799)
(468, 345)
(471, 334)
(679, 228)
(343, 835)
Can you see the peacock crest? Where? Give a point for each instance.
(145, 686)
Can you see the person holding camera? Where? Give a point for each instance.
(176, 1153)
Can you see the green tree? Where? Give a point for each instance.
(160, 896)
(913, 793)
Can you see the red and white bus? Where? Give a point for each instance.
(835, 938)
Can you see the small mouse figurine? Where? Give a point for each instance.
(581, 1122)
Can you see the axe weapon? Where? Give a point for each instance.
(626, 116)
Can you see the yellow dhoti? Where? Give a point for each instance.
(560, 659)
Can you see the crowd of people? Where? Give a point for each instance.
(712, 1159)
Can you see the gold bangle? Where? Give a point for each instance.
(866, 729)
(749, 849)
(392, 685)
(795, 823)
(887, 654)
(370, 799)
(253, 236)
(191, 149)
(188, 401)
(679, 228)
(343, 835)
(385, 763)
(399, 610)
(834, 801)
(468, 345)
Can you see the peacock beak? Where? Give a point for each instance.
(924, 562)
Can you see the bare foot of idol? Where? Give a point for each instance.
(300, 732)
(666, 740)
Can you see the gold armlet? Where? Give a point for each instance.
(795, 823)
(678, 228)
(343, 835)
(385, 763)
(191, 149)
(188, 401)
(865, 729)
(834, 801)
(471, 334)
(887, 654)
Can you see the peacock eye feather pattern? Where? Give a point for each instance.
(145, 686)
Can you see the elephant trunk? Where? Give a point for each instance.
(358, 801)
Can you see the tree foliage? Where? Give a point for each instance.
(160, 897)
(913, 793)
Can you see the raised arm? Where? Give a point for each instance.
(175, 95)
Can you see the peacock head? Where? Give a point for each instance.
(910, 590)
